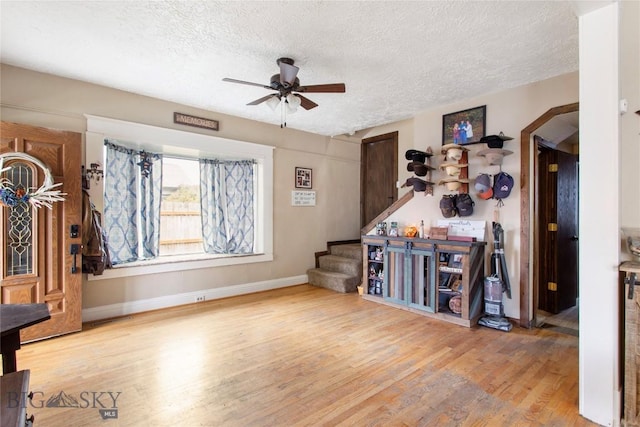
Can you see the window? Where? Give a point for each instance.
(173, 149)
(19, 225)
(180, 216)
(193, 206)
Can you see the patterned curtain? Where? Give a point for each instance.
(133, 180)
(150, 198)
(120, 203)
(227, 204)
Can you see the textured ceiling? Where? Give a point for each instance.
(396, 58)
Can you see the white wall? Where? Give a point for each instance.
(629, 121)
(507, 111)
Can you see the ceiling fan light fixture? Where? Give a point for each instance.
(293, 102)
(273, 102)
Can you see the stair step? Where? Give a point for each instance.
(340, 264)
(338, 282)
(351, 250)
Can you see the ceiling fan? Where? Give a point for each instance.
(286, 83)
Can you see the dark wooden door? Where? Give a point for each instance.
(35, 260)
(379, 174)
(558, 236)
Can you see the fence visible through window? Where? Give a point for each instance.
(180, 217)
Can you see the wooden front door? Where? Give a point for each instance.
(558, 236)
(36, 264)
(379, 173)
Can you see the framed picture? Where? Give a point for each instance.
(464, 127)
(303, 178)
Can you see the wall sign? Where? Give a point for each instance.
(303, 198)
(199, 122)
(463, 227)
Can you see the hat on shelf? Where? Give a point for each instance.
(418, 168)
(453, 151)
(494, 156)
(495, 141)
(416, 155)
(417, 183)
(453, 184)
(482, 185)
(452, 169)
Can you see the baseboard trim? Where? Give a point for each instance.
(126, 308)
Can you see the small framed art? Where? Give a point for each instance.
(303, 178)
(464, 127)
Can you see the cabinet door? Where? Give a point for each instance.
(421, 286)
(395, 271)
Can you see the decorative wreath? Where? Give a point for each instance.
(43, 196)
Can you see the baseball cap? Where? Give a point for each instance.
(482, 184)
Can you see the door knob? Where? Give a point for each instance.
(574, 238)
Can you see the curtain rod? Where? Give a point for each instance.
(173, 156)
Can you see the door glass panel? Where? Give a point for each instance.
(422, 287)
(419, 290)
(19, 223)
(395, 276)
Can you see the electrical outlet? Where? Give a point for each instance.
(200, 298)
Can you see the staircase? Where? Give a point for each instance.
(340, 270)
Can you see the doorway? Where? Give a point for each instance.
(557, 230)
(37, 265)
(379, 172)
(530, 228)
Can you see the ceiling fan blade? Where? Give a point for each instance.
(261, 100)
(288, 73)
(242, 82)
(327, 88)
(306, 103)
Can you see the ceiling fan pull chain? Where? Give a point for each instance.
(283, 114)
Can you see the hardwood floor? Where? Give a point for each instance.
(302, 356)
(566, 321)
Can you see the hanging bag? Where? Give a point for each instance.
(95, 253)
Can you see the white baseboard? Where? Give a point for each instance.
(126, 308)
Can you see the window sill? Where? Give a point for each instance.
(178, 263)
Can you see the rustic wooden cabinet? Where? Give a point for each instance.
(437, 278)
(631, 277)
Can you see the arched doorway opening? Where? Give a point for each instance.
(528, 253)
